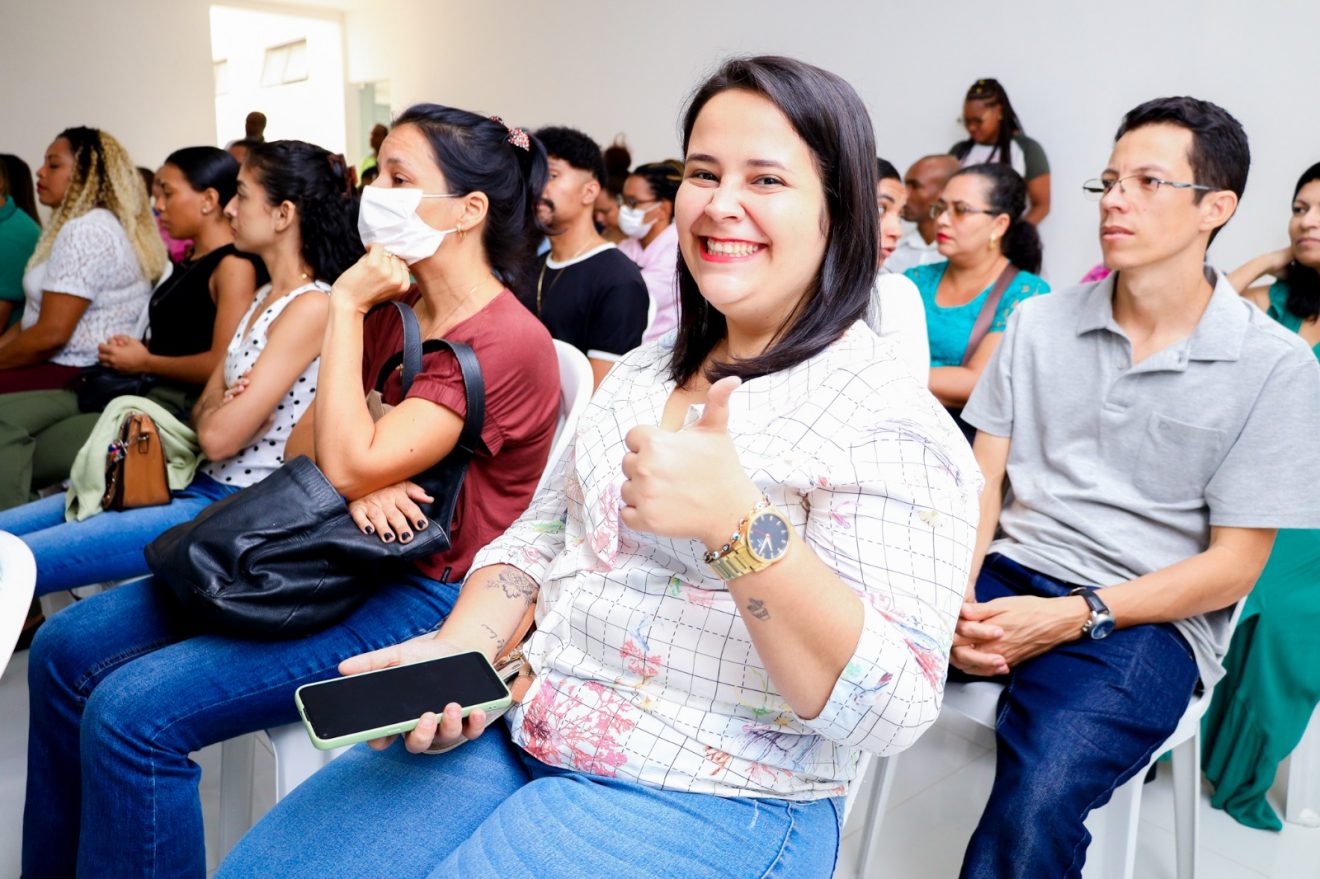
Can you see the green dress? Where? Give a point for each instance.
(1261, 708)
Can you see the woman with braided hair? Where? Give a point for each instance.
(994, 134)
(94, 265)
(646, 217)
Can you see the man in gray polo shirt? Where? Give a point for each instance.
(1142, 438)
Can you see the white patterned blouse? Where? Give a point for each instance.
(644, 668)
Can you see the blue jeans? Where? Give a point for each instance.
(109, 545)
(488, 809)
(1074, 724)
(123, 688)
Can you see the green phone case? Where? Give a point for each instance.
(391, 730)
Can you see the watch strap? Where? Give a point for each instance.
(1093, 600)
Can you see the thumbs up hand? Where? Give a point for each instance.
(688, 483)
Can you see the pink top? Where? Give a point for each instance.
(659, 264)
(1099, 273)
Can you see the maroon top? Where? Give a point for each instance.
(521, 374)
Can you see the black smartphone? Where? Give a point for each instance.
(375, 704)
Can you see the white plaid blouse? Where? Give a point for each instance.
(645, 669)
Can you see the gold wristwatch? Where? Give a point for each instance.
(761, 540)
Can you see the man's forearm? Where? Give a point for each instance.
(1208, 581)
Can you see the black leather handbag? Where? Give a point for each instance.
(97, 386)
(283, 558)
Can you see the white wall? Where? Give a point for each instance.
(142, 70)
(311, 109)
(1072, 70)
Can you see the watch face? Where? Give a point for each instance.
(1102, 627)
(767, 537)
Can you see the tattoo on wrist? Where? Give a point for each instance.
(515, 584)
(756, 607)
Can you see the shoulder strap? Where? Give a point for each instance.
(986, 315)
(414, 349)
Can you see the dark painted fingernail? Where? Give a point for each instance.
(368, 530)
(388, 537)
(405, 536)
(421, 523)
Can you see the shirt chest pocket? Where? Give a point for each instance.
(1177, 459)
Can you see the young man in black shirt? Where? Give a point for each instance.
(587, 293)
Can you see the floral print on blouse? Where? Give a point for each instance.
(644, 668)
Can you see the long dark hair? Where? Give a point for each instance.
(992, 94)
(481, 154)
(317, 183)
(1304, 281)
(16, 184)
(207, 167)
(831, 119)
(1007, 194)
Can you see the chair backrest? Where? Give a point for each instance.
(575, 385)
(18, 577)
(855, 789)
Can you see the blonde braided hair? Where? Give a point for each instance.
(104, 177)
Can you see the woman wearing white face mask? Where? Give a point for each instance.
(646, 216)
(179, 692)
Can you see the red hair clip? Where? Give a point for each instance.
(517, 136)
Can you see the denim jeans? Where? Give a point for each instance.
(123, 688)
(108, 546)
(489, 810)
(1074, 724)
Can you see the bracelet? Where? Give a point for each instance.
(736, 537)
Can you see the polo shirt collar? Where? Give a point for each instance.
(1218, 335)
(1097, 312)
(1223, 327)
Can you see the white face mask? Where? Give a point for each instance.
(389, 217)
(631, 223)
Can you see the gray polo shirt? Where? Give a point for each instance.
(1116, 470)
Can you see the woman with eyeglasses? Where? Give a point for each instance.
(994, 134)
(991, 255)
(646, 218)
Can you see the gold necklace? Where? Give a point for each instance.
(461, 302)
(541, 277)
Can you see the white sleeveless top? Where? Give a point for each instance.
(266, 454)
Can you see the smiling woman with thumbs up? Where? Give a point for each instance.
(745, 571)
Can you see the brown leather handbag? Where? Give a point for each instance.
(135, 466)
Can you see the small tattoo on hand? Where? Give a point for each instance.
(756, 607)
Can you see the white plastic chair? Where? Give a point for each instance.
(1302, 805)
(18, 577)
(296, 759)
(1113, 827)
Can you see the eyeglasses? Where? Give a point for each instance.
(971, 121)
(635, 204)
(958, 209)
(1146, 186)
